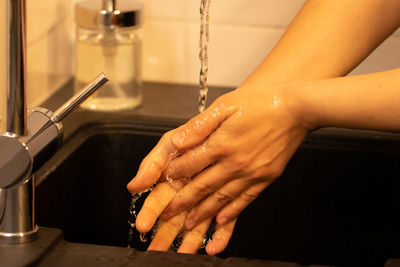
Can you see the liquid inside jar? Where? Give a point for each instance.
(117, 53)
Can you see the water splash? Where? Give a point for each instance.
(143, 237)
(177, 242)
(209, 234)
(203, 55)
(133, 216)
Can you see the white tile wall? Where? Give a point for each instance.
(386, 56)
(242, 32)
(49, 24)
(45, 16)
(49, 63)
(171, 54)
(237, 12)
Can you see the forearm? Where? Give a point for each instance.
(329, 38)
(370, 101)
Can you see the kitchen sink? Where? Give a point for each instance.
(337, 202)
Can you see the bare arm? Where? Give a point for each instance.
(370, 101)
(328, 38)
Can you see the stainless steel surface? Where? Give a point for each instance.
(15, 65)
(17, 220)
(77, 99)
(15, 162)
(44, 136)
(108, 13)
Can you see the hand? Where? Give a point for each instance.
(232, 152)
(167, 231)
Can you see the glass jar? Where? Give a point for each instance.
(109, 40)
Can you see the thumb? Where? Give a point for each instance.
(153, 165)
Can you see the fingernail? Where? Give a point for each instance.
(179, 137)
(223, 220)
(189, 223)
(210, 250)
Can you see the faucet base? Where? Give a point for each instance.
(18, 238)
(17, 215)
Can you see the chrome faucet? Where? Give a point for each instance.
(29, 141)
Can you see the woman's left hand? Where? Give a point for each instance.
(167, 231)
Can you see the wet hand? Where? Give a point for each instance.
(167, 231)
(232, 152)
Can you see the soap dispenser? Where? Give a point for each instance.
(109, 40)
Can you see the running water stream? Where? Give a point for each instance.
(203, 55)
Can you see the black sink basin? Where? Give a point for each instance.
(336, 203)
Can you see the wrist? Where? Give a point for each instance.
(299, 100)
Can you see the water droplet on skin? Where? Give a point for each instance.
(197, 124)
(169, 179)
(209, 235)
(275, 103)
(215, 113)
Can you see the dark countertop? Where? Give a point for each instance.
(169, 105)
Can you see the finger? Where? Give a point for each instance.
(221, 237)
(193, 239)
(153, 165)
(198, 128)
(233, 209)
(166, 233)
(212, 204)
(192, 161)
(204, 184)
(154, 204)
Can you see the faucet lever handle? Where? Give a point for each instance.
(79, 98)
